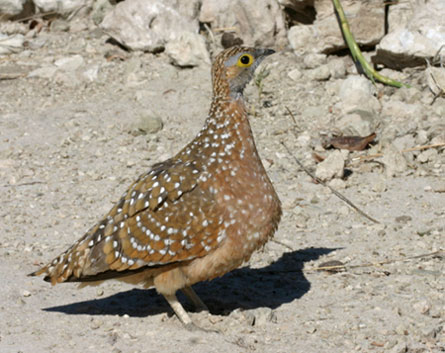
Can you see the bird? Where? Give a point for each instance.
(190, 218)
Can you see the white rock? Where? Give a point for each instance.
(358, 123)
(294, 74)
(422, 137)
(399, 15)
(60, 6)
(11, 44)
(393, 160)
(257, 23)
(189, 49)
(427, 156)
(421, 37)
(91, 73)
(397, 109)
(357, 92)
(99, 10)
(70, 63)
(299, 37)
(304, 139)
(11, 7)
(337, 67)
(332, 167)
(43, 72)
(404, 142)
(321, 73)
(314, 60)
(338, 184)
(148, 24)
(422, 307)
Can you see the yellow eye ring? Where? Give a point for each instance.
(245, 60)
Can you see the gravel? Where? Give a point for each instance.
(68, 151)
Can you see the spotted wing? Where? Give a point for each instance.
(164, 217)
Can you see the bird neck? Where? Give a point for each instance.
(227, 112)
(228, 124)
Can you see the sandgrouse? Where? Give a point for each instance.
(193, 217)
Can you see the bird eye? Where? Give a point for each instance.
(245, 60)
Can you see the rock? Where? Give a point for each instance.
(70, 63)
(404, 142)
(260, 316)
(422, 307)
(148, 124)
(357, 123)
(10, 8)
(337, 184)
(418, 39)
(60, 6)
(423, 230)
(332, 167)
(366, 19)
(78, 24)
(321, 73)
(149, 25)
(399, 14)
(400, 347)
(357, 92)
(300, 217)
(299, 36)
(60, 25)
(427, 156)
(397, 109)
(99, 10)
(258, 23)
(407, 94)
(304, 139)
(91, 73)
(188, 50)
(295, 74)
(337, 68)
(403, 219)
(378, 184)
(422, 137)
(11, 44)
(313, 60)
(393, 160)
(13, 27)
(43, 72)
(67, 78)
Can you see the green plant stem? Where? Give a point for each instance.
(357, 54)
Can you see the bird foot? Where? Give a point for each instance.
(192, 327)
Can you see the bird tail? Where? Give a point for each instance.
(68, 264)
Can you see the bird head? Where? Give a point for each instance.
(233, 68)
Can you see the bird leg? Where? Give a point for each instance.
(193, 297)
(178, 309)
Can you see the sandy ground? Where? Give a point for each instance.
(70, 145)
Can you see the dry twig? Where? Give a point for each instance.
(318, 180)
(4, 77)
(375, 264)
(417, 148)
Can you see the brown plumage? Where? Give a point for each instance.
(193, 217)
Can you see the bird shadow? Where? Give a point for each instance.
(246, 288)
